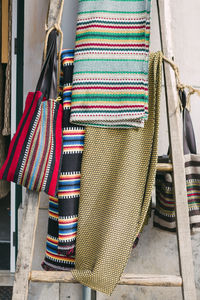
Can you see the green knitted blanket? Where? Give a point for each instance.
(110, 81)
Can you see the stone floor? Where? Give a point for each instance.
(5, 292)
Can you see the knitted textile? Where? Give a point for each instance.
(63, 212)
(118, 171)
(110, 81)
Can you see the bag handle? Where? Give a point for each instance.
(57, 26)
(189, 141)
(47, 82)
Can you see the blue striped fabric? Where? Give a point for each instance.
(63, 212)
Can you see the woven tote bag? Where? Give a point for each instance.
(165, 215)
(34, 155)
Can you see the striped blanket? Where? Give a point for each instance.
(63, 211)
(110, 81)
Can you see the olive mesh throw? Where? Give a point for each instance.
(118, 171)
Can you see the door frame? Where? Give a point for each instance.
(17, 57)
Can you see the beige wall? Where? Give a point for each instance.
(157, 250)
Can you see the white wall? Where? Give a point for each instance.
(69, 23)
(157, 250)
(34, 33)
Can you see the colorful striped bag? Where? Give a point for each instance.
(34, 155)
(165, 215)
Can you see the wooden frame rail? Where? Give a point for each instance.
(126, 279)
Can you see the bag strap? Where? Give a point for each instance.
(56, 7)
(47, 82)
(56, 26)
(189, 141)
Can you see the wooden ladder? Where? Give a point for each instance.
(24, 273)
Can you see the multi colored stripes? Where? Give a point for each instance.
(67, 93)
(68, 228)
(63, 211)
(73, 140)
(110, 81)
(69, 185)
(67, 60)
(52, 252)
(67, 57)
(54, 259)
(165, 215)
(38, 140)
(53, 208)
(39, 153)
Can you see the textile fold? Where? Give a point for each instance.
(63, 211)
(110, 81)
(118, 171)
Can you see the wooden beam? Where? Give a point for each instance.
(26, 246)
(151, 280)
(4, 32)
(53, 12)
(52, 276)
(164, 167)
(175, 129)
(126, 279)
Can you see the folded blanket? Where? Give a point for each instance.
(110, 81)
(63, 212)
(118, 171)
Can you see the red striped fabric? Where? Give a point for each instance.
(34, 155)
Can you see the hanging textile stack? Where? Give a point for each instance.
(111, 96)
(116, 96)
(112, 86)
